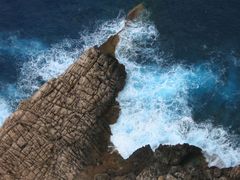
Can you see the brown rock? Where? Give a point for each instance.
(102, 177)
(235, 173)
(60, 129)
(184, 162)
(161, 178)
(170, 177)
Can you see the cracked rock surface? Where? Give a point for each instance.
(64, 126)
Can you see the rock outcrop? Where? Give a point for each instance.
(62, 131)
(178, 162)
(64, 126)
(183, 162)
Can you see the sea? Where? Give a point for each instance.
(182, 60)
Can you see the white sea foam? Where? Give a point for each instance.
(4, 110)
(154, 103)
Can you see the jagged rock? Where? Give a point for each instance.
(184, 162)
(61, 129)
(119, 169)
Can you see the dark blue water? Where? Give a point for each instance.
(27, 27)
(40, 38)
(205, 31)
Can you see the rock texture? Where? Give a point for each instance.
(182, 162)
(64, 126)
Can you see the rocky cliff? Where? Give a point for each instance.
(62, 131)
(64, 126)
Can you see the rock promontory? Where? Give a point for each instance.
(64, 126)
(62, 131)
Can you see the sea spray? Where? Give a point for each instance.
(154, 104)
(4, 110)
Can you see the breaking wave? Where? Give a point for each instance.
(155, 106)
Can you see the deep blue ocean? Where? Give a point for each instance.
(182, 60)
